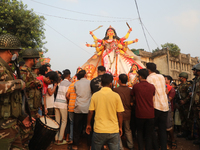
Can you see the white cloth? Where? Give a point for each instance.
(160, 100)
(61, 101)
(50, 99)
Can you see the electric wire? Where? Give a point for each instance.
(77, 11)
(150, 35)
(86, 20)
(142, 25)
(67, 39)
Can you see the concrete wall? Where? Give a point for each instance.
(162, 65)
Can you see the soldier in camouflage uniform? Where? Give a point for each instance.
(195, 102)
(183, 102)
(11, 110)
(33, 91)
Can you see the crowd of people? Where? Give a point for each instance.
(149, 111)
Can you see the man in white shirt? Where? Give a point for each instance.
(61, 106)
(160, 105)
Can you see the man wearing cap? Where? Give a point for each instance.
(161, 107)
(11, 110)
(33, 87)
(183, 102)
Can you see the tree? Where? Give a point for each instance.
(174, 50)
(155, 50)
(15, 19)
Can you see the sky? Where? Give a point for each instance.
(68, 23)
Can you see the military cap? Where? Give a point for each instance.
(9, 42)
(30, 53)
(183, 74)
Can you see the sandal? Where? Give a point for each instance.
(174, 145)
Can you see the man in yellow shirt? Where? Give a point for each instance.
(108, 109)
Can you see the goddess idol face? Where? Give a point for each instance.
(110, 32)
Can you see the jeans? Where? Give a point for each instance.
(160, 121)
(99, 139)
(39, 111)
(128, 134)
(71, 120)
(145, 126)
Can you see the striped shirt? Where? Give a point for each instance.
(72, 97)
(160, 99)
(61, 100)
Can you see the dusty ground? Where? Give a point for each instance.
(182, 144)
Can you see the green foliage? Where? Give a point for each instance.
(155, 50)
(174, 50)
(15, 19)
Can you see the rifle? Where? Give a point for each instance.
(191, 101)
(25, 105)
(178, 97)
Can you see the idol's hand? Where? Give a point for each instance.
(88, 45)
(135, 41)
(91, 33)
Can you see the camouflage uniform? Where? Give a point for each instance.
(195, 109)
(183, 109)
(34, 98)
(10, 100)
(32, 85)
(37, 66)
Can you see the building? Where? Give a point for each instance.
(167, 64)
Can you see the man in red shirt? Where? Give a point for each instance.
(143, 93)
(49, 78)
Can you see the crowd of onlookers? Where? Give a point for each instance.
(105, 113)
(99, 109)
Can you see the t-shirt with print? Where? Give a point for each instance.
(61, 101)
